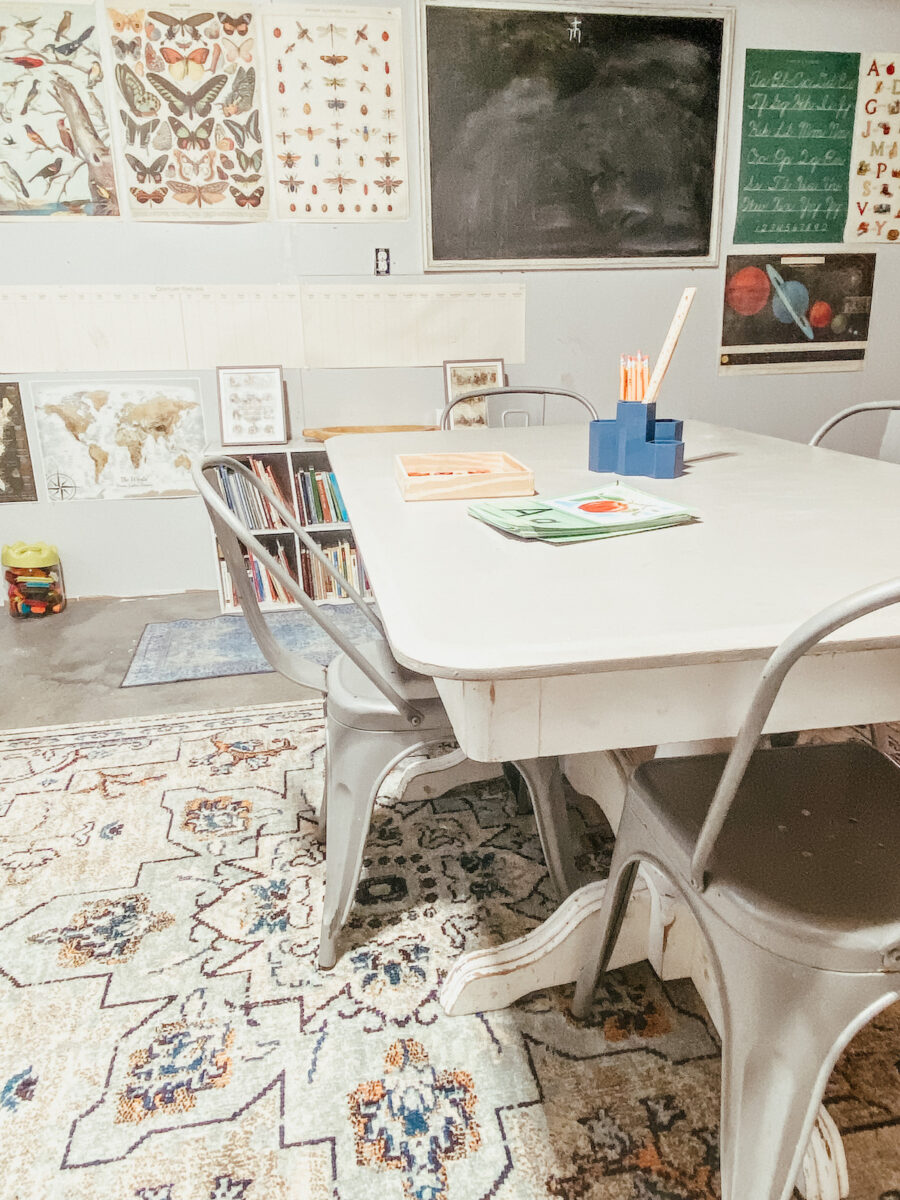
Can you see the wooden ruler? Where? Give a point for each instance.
(668, 346)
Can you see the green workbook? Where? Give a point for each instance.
(604, 512)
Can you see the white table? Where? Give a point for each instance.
(542, 650)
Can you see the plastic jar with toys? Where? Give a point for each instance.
(34, 579)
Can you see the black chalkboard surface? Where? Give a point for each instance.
(566, 137)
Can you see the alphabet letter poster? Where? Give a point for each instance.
(874, 212)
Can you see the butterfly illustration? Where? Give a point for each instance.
(199, 194)
(185, 66)
(388, 185)
(250, 162)
(152, 31)
(333, 60)
(192, 139)
(239, 25)
(126, 22)
(142, 102)
(136, 133)
(123, 49)
(240, 97)
(193, 168)
(252, 200)
(152, 59)
(155, 197)
(144, 173)
(250, 129)
(290, 159)
(185, 26)
(190, 104)
(233, 52)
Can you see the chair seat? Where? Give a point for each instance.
(355, 701)
(808, 861)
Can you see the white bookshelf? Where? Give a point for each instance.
(287, 462)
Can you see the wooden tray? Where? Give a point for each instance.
(455, 475)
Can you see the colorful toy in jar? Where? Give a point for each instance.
(35, 579)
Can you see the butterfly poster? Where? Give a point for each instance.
(55, 157)
(188, 122)
(335, 93)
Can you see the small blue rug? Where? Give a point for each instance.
(172, 651)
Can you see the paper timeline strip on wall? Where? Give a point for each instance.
(412, 325)
(187, 114)
(56, 159)
(874, 212)
(148, 328)
(334, 87)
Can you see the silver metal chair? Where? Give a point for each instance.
(376, 711)
(519, 412)
(789, 859)
(869, 406)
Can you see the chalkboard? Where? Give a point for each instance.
(583, 138)
(796, 143)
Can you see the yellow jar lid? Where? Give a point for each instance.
(20, 554)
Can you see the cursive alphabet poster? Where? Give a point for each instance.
(795, 145)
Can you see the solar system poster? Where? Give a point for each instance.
(796, 313)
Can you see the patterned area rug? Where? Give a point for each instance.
(169, 1037)
(212, 647)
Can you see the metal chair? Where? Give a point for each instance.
(477, 393)
(376, 711)
(789, 859)
(869, 406)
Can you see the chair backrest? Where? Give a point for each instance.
(235, 539)
(798, 643)
(868, 406)
(544, 392)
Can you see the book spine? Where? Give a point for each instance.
(314, 493)
(342, 508)
(327, 517)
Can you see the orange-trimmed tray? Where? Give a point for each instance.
(456, 475)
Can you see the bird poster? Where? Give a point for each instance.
(335, 93)
(796, 312)
(55, 157)
(874, 210)
(16, 471)
(187, 114)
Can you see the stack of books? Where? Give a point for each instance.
(246, 502)
(320, 498)
(605, 512)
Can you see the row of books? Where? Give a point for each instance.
(246, 502)
(320, 499)
(316, 581)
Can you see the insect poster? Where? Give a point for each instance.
(55, 157)
(336, 111)
(874, 206)
(187, 99)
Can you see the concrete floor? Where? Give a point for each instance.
(69, 667)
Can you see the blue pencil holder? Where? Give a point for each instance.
(635, 443)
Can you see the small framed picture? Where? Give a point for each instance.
(252, 409)
(464, 375)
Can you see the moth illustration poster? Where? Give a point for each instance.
(16, 473)
(188, 114)
(336, 103)
(119, 440)
(55, 158)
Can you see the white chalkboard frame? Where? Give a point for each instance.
(711, 259)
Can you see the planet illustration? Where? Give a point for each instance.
(747, 291)
(790, 302)
(820, 314)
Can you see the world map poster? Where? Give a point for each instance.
(16, 474)
(116, 441)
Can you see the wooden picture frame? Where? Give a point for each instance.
(464, 375)
(252, 406)
(580, 138)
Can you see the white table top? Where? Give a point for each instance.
(784, 529)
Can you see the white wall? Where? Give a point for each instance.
(578, 322)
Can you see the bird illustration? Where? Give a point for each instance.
(34, 136)
(69, 48)
(65, 137)
(49, 172)
(12, 176)
(29, 25)
(63, 27)
(28, 61)
(30, 98)
(95, 74)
